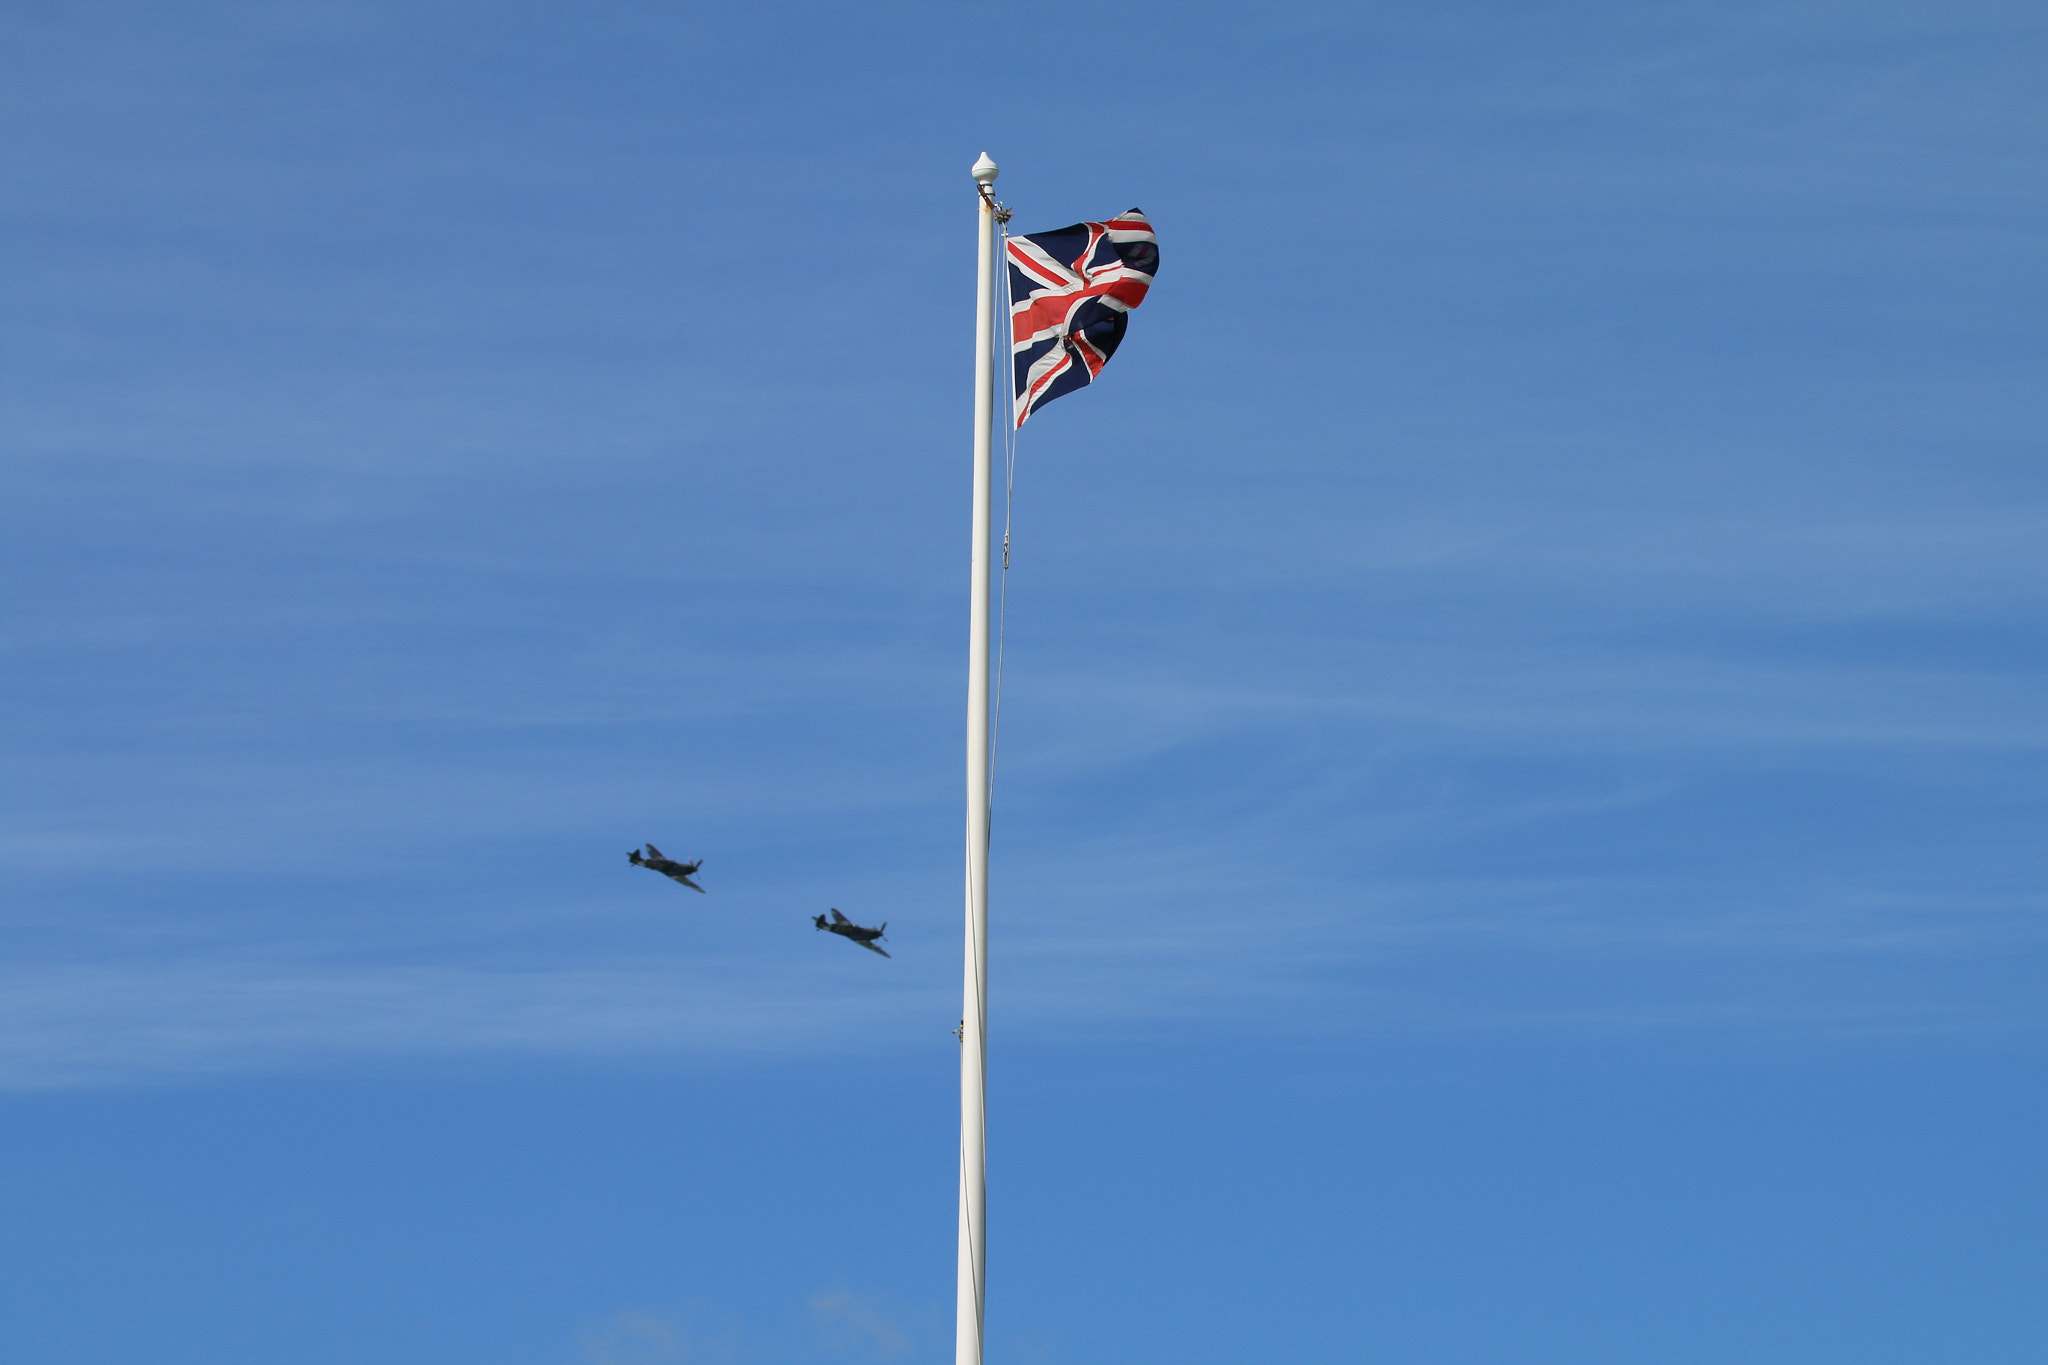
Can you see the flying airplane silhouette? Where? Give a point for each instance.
(847, 929)
(666, 866)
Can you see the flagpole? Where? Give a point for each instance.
(967, 1336)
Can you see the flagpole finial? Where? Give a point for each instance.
(985, 170)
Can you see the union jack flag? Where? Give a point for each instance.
(1071, 294)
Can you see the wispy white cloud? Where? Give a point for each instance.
(1092, 938)
(644, 1338)
(633, 1339)
(108, 1023)
(853, 1324)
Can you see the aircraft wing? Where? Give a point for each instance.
(655, 851)
(870, 947)
(838, 918)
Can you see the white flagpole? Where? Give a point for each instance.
(967, 1336)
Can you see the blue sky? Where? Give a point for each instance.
(1519, 830)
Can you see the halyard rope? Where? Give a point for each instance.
(1008, 409)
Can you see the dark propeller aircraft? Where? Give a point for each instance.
(667, 867)
(846, 928)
